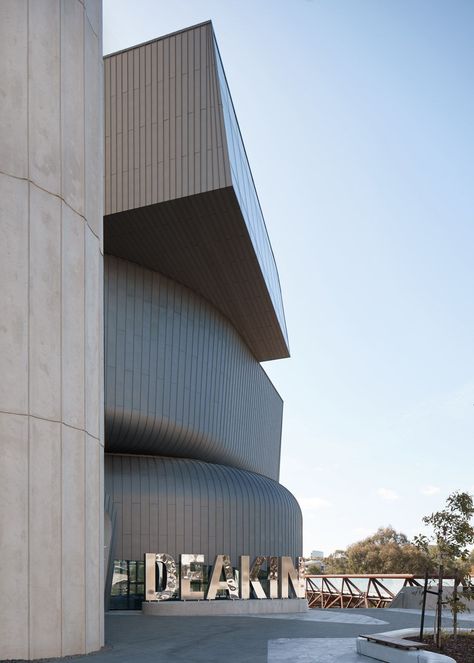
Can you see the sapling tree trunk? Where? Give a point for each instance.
(457, 601)
(440, 606)
(455, 607)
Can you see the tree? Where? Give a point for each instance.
(452, 534)
(336, 562)
(315, 569)
(386, 551)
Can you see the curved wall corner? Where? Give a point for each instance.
(51, 433)
(179, 380)
(177, 505)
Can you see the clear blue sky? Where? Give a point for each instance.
(358, 119)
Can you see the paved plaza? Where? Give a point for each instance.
(317, 636)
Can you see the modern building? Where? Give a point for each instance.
(192, 306)
(186, 297)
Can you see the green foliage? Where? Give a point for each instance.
(452, 567)
(336, 563)
(314, 570)
(386, 551)
(456, 599)
(452, 530)
(452, 536)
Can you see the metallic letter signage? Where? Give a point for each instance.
(192, 570)
(295, 576)
(273, 577)
(169, 582)
(249, 578)
(281, 576)
(229, 585)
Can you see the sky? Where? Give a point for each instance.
(357, 117)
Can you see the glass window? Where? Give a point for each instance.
(247, 196)
(128, 587)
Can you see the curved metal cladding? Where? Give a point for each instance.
(176, 506)
(192, 305)
(179, 380)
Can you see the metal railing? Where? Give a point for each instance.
(355, 591)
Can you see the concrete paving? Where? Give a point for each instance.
(311, 650)
(318, 636)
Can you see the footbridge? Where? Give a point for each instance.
(356, 591)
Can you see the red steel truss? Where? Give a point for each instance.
(353, 591)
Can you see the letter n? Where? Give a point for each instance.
(291, 576)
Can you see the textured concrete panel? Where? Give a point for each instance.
(180, 505)
(50, 330)
(93, 332)
(94, 492)
(103, 552)
(179, 379)
(13, 294)
(14, 87)
(14, 535)
(94, 16)
(44, 100)
(72, 104)
(73, 318)
(45, 305)
(93, 136)
(45, 538)
(101, 353)
(73, 535)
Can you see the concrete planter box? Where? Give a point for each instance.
(388, 654)
(223, 607)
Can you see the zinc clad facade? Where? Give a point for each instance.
(186, 506)
(164, 127)
(180, 381)
(179, 195)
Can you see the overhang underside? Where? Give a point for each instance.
(202, 242)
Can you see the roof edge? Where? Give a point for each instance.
(156, 39)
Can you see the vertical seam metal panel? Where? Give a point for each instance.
(164, 124)
(228, 412)
(200, 508)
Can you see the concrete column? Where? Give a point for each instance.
(51, 394)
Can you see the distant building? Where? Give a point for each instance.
(339, 554)
(314, 565)
(317, 554)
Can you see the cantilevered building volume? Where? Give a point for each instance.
(180, 288)
(192, 305)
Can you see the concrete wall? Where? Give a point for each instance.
(51, 438)
(177, 505)
(180, 381)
